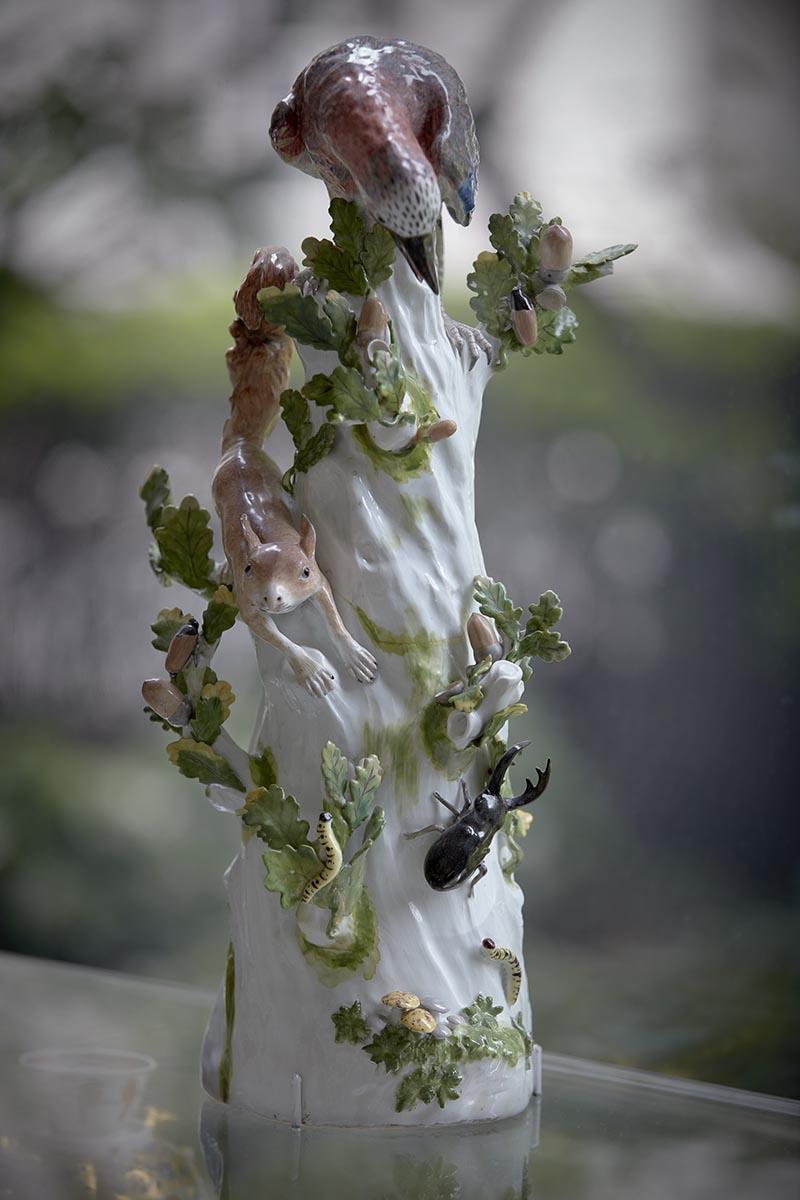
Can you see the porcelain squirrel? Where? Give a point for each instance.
(273, 564)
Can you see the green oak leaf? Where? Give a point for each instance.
(264, 768)
(300, 316)
(546, 644)
(343, 272)
(315, 449)
(377, 255)
(211, 710)
(289, 870)
(344, 390)
(156, 493)
(556, 330)
(390, 381)
(546, 612)
(334, 771)
(196, 760)
(275, 818)
(342, 895)
(363, 786)
(492, 279)
(220, 614)
(372, 831)
(494, 602)
(347, 226)
(294, 407)
(342, 319)
(184, 540)
(595, 265)
(506, 239)
(498, 720)
(539, 639)
(349, 1024)
(526, 214)
(166, 625)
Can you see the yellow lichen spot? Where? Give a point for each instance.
(406, 1000)
(224, 595)
(419, 1020)
(524, 822)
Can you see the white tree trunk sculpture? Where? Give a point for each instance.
(406, 554)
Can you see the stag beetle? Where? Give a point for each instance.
(463, 845)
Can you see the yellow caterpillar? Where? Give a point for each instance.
(514, 970)
(329, 846)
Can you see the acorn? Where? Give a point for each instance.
(167, 702)
(552, 297)
(419, 1020)
(523, 318)
(483, 638)
(373, 322)
(182, 647)
(555, 253)
(405, 1000)
(436, 432)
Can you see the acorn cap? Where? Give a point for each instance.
(555, 248)
(405, 1000)
(551, 297)
(166, 701)
(483, 638)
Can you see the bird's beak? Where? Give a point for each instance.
(420, 254)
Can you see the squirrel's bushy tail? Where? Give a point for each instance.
(258, 361)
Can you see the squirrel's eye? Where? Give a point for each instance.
(248, 568)
(306, 572)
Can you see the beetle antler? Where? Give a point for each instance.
(532, 790)
(500, 771)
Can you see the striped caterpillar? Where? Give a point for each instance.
(327, 842)
(513, 968)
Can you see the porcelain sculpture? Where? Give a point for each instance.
(367, 544)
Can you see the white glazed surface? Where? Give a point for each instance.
(407, 574)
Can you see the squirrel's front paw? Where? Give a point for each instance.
(314, 678)
(359, 662)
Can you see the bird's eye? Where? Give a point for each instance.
(306, 572)
(248, 568)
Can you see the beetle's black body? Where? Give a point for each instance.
(460, 849)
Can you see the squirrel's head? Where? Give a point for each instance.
(278, 576)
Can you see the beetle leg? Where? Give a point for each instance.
(465, 794)
(447, 804)
(476, 878)
(427, 829)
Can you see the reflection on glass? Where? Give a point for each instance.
(79, 1131)
(247, 1156)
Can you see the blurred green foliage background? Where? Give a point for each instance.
(650, 476)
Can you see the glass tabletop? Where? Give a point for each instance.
(101, 1098)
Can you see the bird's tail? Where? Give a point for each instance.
(258, 361)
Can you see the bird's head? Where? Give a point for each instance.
(386, 124)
